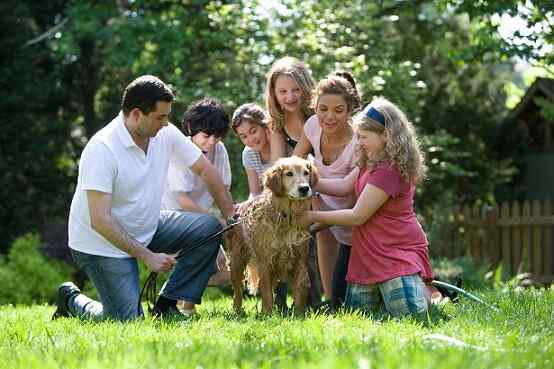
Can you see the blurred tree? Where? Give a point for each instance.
(66, 63)
(34, 141)
(420, 55)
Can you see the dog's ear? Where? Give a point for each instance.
(273, 180)
(314, 175)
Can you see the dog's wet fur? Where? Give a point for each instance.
(270, 245)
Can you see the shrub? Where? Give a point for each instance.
(27, 276)
(473, 275)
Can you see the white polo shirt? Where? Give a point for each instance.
(112, 163)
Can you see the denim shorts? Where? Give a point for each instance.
(399, 296)
(117, 279)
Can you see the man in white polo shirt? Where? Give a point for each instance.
(115, 214)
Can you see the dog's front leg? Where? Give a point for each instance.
(300, 285)
(266, 290)
(238, 265)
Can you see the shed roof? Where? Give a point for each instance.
(541, 86)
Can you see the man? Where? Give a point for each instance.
(115, 214)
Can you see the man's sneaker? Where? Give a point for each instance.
(325, 307)
(66, 290)
(172, 314)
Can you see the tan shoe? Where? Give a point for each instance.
(222, 278)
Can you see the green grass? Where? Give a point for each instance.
(519, 335)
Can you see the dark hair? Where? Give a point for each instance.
(143, 93)
(347, 76)
(336, 85)
(251, 113)
(206, 115)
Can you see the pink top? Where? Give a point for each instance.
(391, 243)
(340, 168)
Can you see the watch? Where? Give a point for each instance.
(232, 219)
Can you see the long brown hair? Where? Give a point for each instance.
(337, 85)
(300, 73)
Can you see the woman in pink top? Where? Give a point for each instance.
(389, 261)
(329, 136)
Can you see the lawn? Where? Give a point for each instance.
(519, 335)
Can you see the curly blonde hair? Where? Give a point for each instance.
(402, 147)
(300, 73)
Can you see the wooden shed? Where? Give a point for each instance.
(538, 132)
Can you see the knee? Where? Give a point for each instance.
(209, 226)
(211, 223)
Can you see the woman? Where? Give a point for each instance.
(329, 136)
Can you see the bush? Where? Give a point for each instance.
(473, 275)
(27, 276)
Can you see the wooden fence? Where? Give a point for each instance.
(519, 236)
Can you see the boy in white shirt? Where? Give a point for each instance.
(206, 124)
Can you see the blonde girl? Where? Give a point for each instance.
(287, 97)
(389, 261)
(330, 137)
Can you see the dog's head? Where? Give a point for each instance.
(291, 177)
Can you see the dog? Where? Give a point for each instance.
(272, 246)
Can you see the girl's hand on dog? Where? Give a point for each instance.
(306, 218)
(316, 227)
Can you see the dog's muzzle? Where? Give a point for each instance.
(302, 192)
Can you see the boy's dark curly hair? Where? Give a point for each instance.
(207, 116)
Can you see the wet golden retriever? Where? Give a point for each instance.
(272, 245)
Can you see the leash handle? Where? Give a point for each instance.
(183, 252)
(149, 289)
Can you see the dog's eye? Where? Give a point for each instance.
(289, 174)
(306, 173)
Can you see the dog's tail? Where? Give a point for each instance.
(252, 279)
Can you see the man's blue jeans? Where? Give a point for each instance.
(117, 279)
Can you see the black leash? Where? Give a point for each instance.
(150, 287)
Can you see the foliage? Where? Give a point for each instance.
(472, 336)
(472, 275)
(420, 56)
(37, 163)
(443, 226)
(547, 109)
(442, 62)
(27, 276)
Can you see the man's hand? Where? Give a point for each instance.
(160, 262)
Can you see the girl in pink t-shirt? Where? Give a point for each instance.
(389, 260)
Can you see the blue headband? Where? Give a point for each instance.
(374, 115)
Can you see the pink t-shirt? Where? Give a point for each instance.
(391, 243)
(340, 168)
